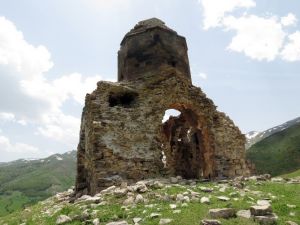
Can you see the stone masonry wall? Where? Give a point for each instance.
(122, 137)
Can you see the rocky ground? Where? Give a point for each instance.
(253, 200)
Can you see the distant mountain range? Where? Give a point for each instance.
(27, 181)
(277, 150)
(255, 136)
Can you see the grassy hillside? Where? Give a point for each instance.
(279, 153)
(285, 202)
(292, 175)
(24, 182)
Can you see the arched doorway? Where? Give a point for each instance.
(183, 145)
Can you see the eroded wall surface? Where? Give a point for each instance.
(122, 137)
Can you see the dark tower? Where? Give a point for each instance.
(147, 47)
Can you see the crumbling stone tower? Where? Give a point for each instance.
(122, 136)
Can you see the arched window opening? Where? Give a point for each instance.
(183, 147)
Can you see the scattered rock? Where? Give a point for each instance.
(173, 206)
(210, 222)
(155, 215)
(223, 198)
(173, 180)
(177, 211)
(108, 190)
(263, 177)
(222, 213)
(222, 189)
(137, 219)
(123, 185)
(96, 222)
(129, 201)
(179, 198)
(120, 192)
(164, 221)
(260, 210)
(205, 189)
(157, 185)
(184, 204)
(267, 219)
(118, 223)
(263, 202)
(139, 199)
(88, 199)
(291, 223)
(63, 219)
(205, 200)
(244, 214)
(277, 179)
(291, 206)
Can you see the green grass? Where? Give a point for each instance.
(292, 175)
(27, 182)
(277, 154)
(280, 193)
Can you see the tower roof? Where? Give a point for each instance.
(148, 24)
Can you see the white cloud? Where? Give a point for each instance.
(289, 20)
(56, 92)
(260, 38)
(9, 117)
(32, 97)
(291, 51)
(7, 146)
(55, 124)
(215, 10)
(203, 76)
(257, 37)
(15, 52)
(6, 116)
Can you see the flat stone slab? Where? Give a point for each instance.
(244, 214)
(267, 220)
(260, 210)
(224, 213)
(165, 221)
(118, 223)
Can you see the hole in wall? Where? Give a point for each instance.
(126, 99)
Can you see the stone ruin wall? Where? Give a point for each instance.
(122, 137)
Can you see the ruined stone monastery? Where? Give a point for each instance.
(122, 137)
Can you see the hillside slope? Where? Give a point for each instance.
(160, 201)
(255, 136)
(279, 153)
(24, 182)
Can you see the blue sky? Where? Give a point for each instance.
(244, 54)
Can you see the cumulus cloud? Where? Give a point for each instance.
(215, 10)
(257, 37)
(17, 54)
(9, 117)
(291, 51)
(289, 20)
(54, 123)
(32, 98)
